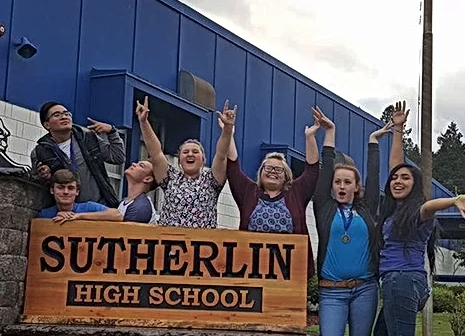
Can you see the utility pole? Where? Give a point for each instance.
(426, 134)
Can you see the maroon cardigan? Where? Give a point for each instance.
(246, 193)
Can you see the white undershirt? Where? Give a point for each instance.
(66, 147)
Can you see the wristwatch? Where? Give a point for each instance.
(113, 130)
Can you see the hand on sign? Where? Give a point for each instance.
(64, 216)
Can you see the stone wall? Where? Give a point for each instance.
(20, 199)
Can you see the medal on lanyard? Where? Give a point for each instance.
(347, 221)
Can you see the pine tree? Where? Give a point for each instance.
(449, 160)
(412, 151)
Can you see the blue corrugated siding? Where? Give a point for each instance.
(155, 39)
(230, 84)
(305, 98)
(5, 18)
(53, 27)
(106, 42)
(357, 141)
(283, 114)
(257, 112)
(156, 44)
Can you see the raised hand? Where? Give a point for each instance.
(227, 117)
(98, 127)
(142, 111)
(311, 131)
(382, 131)
(399, 116)
(323, 120)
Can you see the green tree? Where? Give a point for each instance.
(412, 151)
(449, 160)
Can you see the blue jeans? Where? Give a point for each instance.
(404, 294)
(356, 306)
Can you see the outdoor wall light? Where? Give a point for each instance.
(24, 48)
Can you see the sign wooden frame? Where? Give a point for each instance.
(127, 274)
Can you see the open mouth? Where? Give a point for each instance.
(190, 160)
(342, 194)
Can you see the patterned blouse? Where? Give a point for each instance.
(190, 202)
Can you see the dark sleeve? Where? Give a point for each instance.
(325, 180)
(239, 183)
(304, 185)
(112, 148)
(140, 212)
(372, 179)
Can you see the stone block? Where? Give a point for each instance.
(12, 268)
(23, 192)
(20, 297)
(8, 315)
(15, 217)
(24, 244)
(9, 294)
(11, 242)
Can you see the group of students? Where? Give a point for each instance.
(361, 243)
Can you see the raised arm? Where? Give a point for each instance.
(304, 186)
(325, 180)
(372, 177)
(158, 159)
(429, 208)
(220, 160)
(399, 118)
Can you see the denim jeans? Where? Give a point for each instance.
(404, 294)
(356, 306)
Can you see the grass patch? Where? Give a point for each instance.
(441, 326)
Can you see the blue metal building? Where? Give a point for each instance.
(98, 56)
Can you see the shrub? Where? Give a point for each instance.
(457, 318)
(443, 299)
(312, 290)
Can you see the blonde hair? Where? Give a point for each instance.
(358, 179)
(287, 170)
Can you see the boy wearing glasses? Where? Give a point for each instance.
(79, 149)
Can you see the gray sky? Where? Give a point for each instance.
(366, 51)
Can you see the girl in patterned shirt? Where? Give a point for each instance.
(191, 192)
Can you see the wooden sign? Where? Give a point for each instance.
(131, 274)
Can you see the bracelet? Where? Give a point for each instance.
(457, 199)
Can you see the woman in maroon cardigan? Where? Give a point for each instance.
(275, 202)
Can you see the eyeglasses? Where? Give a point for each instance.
(59, 114)
(269, 169)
